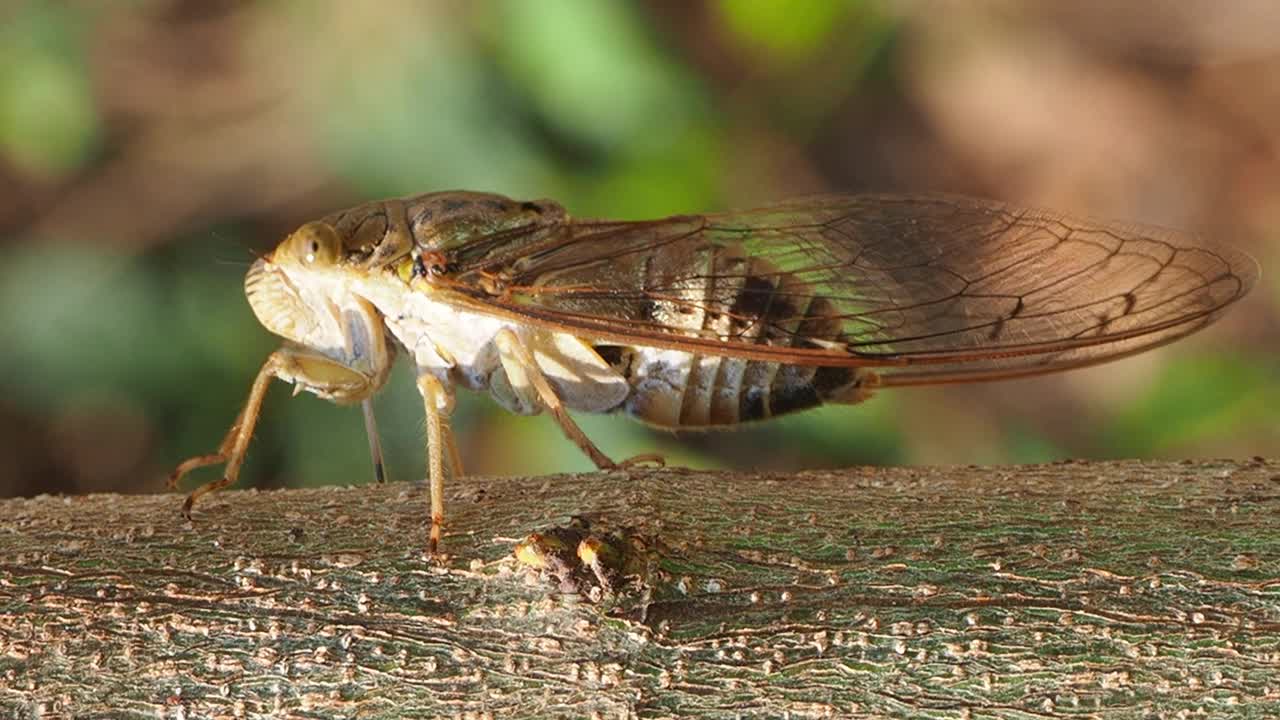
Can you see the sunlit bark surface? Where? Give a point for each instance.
(1144, 589)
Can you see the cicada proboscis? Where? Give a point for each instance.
(706, 320)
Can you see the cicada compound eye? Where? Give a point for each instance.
(315, 243)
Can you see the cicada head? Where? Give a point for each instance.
(290, 289)
(313, 245)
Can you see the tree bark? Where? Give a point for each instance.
(1131, 589)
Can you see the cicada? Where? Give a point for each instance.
(698, 321)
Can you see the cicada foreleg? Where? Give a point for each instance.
(524, 376)
(308, 370)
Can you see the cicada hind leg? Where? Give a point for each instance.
(525, 375)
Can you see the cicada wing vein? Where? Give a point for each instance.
(931, 288)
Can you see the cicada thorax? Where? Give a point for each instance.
(736, 296)
(386, 232)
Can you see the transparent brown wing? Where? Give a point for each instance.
(932, 288)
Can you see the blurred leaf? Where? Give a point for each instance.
(211, 317)
(591, 70)
(868, 433)
(787, 30)
(682, 176)
(48, 122)
(77, 319)
(411, 111)
(1022, 446)
(325, 444)
(810, 61)
(1195, 399)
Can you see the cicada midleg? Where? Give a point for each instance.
(706, 320)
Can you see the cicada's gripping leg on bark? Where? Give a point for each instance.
(524, 374)
(319, 374)
(438, 404)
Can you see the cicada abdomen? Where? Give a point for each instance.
(734, 296)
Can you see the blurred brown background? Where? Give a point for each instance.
(148, 148)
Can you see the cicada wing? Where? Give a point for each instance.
(933, 288)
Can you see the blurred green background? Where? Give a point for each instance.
(148, 148)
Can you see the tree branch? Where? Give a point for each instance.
(1067, 589)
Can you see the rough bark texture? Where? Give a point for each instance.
(1129, 590)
